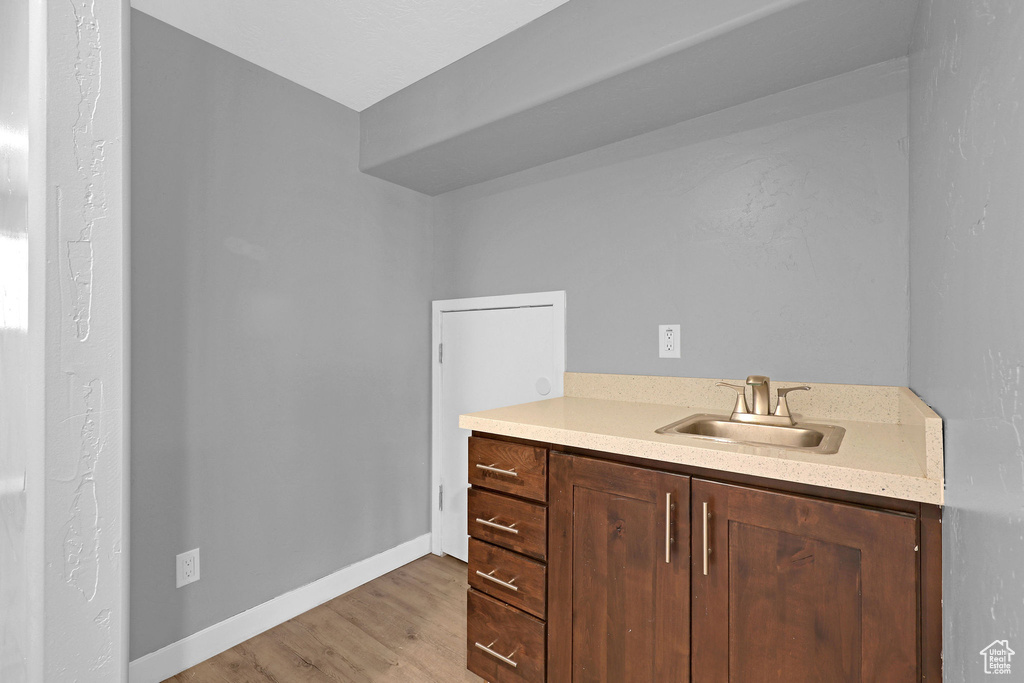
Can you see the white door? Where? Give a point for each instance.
(490, 358)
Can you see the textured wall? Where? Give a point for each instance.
(77, 242)
(967, 325)
(775, 233)
(14, 347)
(280, 322)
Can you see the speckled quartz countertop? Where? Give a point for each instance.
(892, 446)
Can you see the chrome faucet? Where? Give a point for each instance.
(760, 392)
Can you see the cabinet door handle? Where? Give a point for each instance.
(494, 525)
(508, 660)
(498, 470)
(490, 577)
(668, 528)
(707, 548)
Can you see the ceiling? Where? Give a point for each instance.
(355, 52)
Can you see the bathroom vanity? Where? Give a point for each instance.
(603, 550)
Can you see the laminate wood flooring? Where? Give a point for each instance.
(408, 625)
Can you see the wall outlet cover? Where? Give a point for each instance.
(668, 341)
(187, 566)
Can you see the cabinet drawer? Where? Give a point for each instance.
(502, 574)
(508, 522)
(502, 643)
(509, 467)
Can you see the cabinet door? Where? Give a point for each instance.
(801, 589)
(618, 572)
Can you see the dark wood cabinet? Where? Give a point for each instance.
(798, 589)
(508, 576)
(509, 522)
(618, 568)
(503, 644)
(506, 636)
(509, 467)
(637, 573)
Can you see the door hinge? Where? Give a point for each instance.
(440, 353)
(440, 497)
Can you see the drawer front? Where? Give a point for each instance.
(508, 522)
(509, 467)
(502, 574)
(495, 633)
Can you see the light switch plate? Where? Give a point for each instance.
(668, 341)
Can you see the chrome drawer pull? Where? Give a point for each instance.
(494, 525)
(707, 548)
(668, 527)
(498, 470)
(496, 580)
(488, 650)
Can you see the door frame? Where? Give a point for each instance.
(555, 299)
(70, 625)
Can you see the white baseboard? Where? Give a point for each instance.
(198, 647)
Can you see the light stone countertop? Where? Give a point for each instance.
(892, 446)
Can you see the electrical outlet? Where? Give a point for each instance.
(668, 341)
(188, 567)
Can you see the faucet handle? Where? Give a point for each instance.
(782, 409)
(741, 397)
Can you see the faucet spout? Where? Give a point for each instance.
(759, 388)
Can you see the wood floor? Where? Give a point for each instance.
(409, 625)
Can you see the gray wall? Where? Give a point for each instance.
(280, 322)
(967, 325)
(280, 311)
(775, 233)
